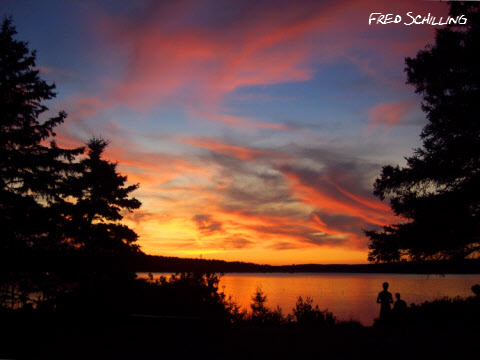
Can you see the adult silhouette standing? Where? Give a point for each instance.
(385, 299)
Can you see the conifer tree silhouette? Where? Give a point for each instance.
(101, 197)
(438, 191)
(32, 166)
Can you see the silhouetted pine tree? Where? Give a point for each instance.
(100, 199)
(32, 169)
(438, 191)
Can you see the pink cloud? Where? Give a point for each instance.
(242, 121)
(390, 114)
(267, 44)
(191, 54)
(81, 107)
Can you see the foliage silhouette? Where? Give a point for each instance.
(189, 297)
(194, 297)
(476, 289)
(307, 315)
(437, 193)
(258, 303)
(31, 170)
(261, 314)
(60, 211)
(100, 196)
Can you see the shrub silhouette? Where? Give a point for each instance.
(261, 314)
(304, 314)
(258, 307)
(445, 312)
(187, 295)
(308, 315)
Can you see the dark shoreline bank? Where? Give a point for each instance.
(129, 338)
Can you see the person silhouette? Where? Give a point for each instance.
(399, 310)
(400, 306)
(385, 299)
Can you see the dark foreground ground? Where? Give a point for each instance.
(81, 337)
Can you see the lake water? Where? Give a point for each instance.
(346, 295)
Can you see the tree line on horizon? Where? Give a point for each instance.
(155, 263)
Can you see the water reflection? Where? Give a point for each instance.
(348, 296)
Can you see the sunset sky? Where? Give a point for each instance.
(255, 128)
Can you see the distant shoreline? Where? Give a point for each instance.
(153, 263)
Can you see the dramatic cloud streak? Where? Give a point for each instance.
(239, 152)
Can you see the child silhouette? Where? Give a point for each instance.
(400, 306)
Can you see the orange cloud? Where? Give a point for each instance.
(358, 208)
(238, 152)
(374, 204)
